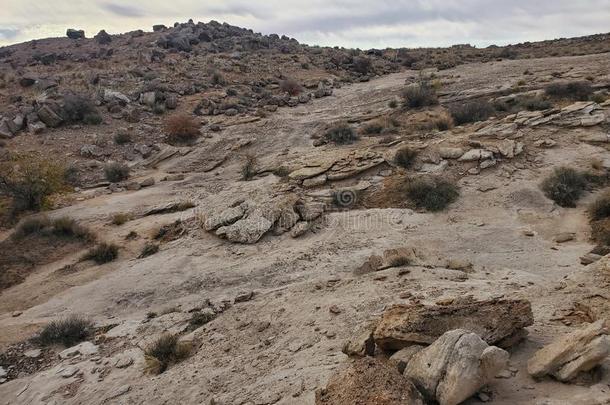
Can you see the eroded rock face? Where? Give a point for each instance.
(226, 217)
(369, 381)
(249, 229)
(455, 367)
(495, 321)
(573, 353)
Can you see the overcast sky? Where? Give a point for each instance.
(349, 23)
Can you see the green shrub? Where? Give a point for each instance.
(393, 104)
(576, 91)
(405, 157)
(92, 119)
(67, 332)
(164, 352)
(78, 108)
(433, 194)
(116, 172)
(199, 319)
(419, 95)
(362, 65)
(472, 111)
(102, 253)
(565, 186)
(341, 134)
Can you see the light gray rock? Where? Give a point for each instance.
(455, 367)
(84, 348)
(49, 116)
(300, 229)
(403, 356)
(226, 217)
(149, 98)
(450, 153)
(475, 155)
(112, 95)
(69, 371)
(308, 211)
(249, 229)
(288, 218)
(573, 353)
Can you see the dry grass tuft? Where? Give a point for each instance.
(165, 351)
(181, 129)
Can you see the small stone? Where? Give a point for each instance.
(334, 309)
(123, 362)
(69, 371)
(34, 353)
(564, 237)
(244, 296)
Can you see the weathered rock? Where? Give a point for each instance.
(315, 181)
(149, 98)
(372, 264)
(113, 95)
(455, 367)
(402, 357)
(90, 150)
(300, 229)
(494, 321)
(84, 348)
(368, 381)
(226, 217)
(362, 344)
(450, 153)
(288, 218)
(102, 38)
(75, 34)
(308, 211)
(5, 129)
(249, 229)
(475, 155)
(49, 116)
(573, 353)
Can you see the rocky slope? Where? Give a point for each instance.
(267, 279)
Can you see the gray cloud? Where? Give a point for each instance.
(125, 11)
(352, 23)
(8, 33)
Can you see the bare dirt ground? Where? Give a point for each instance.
(283, 343)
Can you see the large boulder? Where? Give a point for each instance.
(224, 218)
(50, 115)
(368, 381)
(250, 228)
(455, 367)
(496, 321)
(573, 353)
(75, 34)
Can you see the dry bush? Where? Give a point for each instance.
(431, 193)
(380, 126)
(78, 108)
(600, 231)
(120, 218)
(217, 78)
(600, 208)
(165, 351)
(122, 137)
(148, 250)
(291, 87)
(565, 186)
(69, 228)
(181, 129)
(341, 134)
(248, 168)
(102, 253)
(116, 172)
(362, 65)
(67, 332)
(405, 157)
(472, 111)
(419, 95)
(199, 319)
(29, 180)
(576, 91)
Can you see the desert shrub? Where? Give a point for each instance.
(393, 104)
(78, 108)
(165, 351)
(599, 97)
(600, 208)
(29, 180)
(433, 194)
(60, 227)
(102, 253)
(405, 157)
(419, 95)
(67, 332)
(281, 171)
(600, 231)
(148, 250)
(181, 129)
(122, 137)
(120, 218)
(199, 319)
(379, 126)
(159, 109)
(399, 260)
(533, 103)
(472, 111)
(217, 78)
(248, 168)
(116, 172)
(362, 65)
(565, 186)
(577, 91)
(291, 87)
(341, 134)
(70, 228)
(92, 119)
(231, 92)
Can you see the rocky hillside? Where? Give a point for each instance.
(203, 214)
